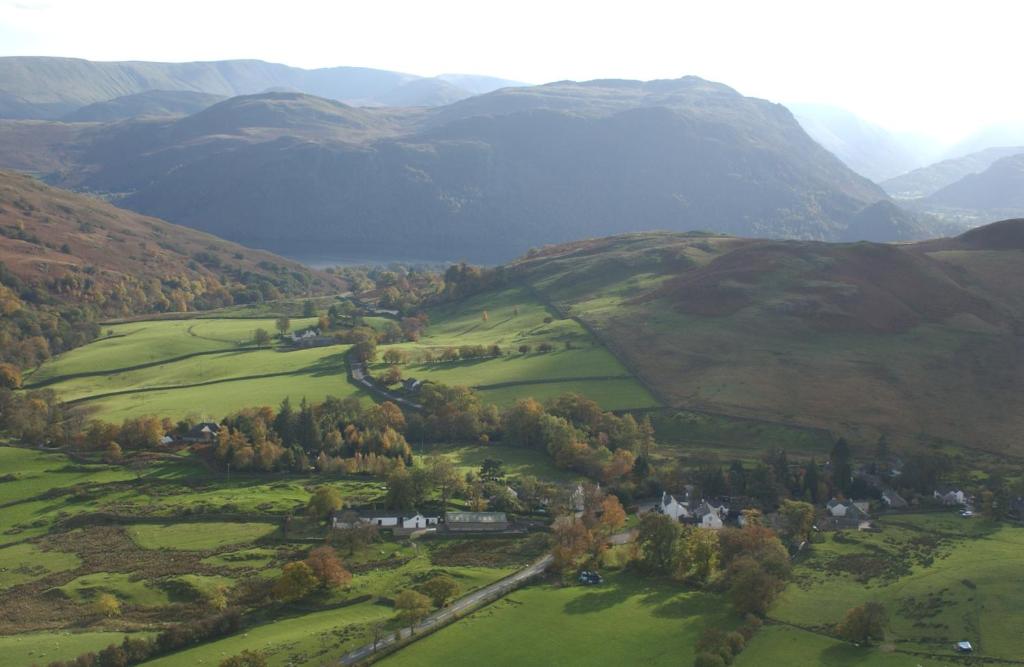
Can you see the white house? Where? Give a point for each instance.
(711, 516)
(671, 507)
(951, 496)
(419, 521)
(350, 518)
(383, 519)
(308, 333)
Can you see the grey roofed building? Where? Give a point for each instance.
(475, 521)
(893, 500)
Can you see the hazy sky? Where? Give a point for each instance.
(937, 66)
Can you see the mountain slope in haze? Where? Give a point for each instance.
(63, 247)
(999, 188)
(868, 149)
(52, 88)
(923, 342)
(485, 178)
(67, 261)
(928, 180)
(149, 103)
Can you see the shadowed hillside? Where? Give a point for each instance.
(922, 341)
(485, 178)
(66, 260)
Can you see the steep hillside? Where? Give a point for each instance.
(67, 260)
(998, 188)
(50, 88)
(149, 103)
(485, 178)
(922, 342)
(868, 149)
(929, 180)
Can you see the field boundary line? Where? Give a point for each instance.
(137, 367)
(587, 378)
(172, 387)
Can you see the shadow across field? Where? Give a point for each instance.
(665, 600)
(324, 367)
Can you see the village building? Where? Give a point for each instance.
(203, 432)
(893, 500)
(383, 519)
(841, 514)
(708, 515)
(949, 495)
(673, 508)
(475, 522)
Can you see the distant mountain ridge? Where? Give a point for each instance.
(51, 88)
(148, 103)
(998, 189)
(485, 178)
(928, 180)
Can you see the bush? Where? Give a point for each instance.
(708, 660)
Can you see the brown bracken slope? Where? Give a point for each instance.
(923, 342)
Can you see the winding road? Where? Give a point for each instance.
(460, 607)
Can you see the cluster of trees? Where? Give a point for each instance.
(579, 436)
(134, 651)
(412, 605)
(578, 541)
(338, 435)
(321, 570)
(751, 563)
(717, 648)
(398, 287)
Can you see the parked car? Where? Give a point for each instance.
(590, 578)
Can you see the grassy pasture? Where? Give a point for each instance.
(217, 400)
(941, 577)
(782, 645)
(198, 536)
(135, 591)
(293, 641)
(21, 563)
(626, 621)
(324, 361)
(35, 472)
(515, 317)
(223, 375)
(518, 461)
(45, 647)
(144, 342)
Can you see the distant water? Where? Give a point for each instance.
(324, 255)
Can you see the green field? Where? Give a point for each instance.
(207, 368)
(198, 536)
(299, 640)
(942, 578)
(124, 586)
(515, 317)
(203, 368)
(781, 645)
(626, 621)
(517, 461)
(145, 342)
(45, 647)
(21, 563)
